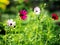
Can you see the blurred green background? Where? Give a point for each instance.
(11, 9)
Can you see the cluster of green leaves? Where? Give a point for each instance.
(36, 30)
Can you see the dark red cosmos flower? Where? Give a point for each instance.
(54, 16)
(23, 14)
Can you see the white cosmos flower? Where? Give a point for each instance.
(11, 22)
(37, 10)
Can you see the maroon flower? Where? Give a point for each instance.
(23, 14)
(54, 16)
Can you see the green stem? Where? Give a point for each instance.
(46, 42)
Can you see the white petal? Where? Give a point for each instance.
(37, 13)
(9, 22)
(37, 10)
(14, 23)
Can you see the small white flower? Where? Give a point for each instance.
(37, 10)
(11, 22)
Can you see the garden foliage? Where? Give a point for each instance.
(28, 28)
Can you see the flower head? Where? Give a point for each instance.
(23, 14)
(54, 16)
(37, 10)
(4, 3)
(11, 23)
